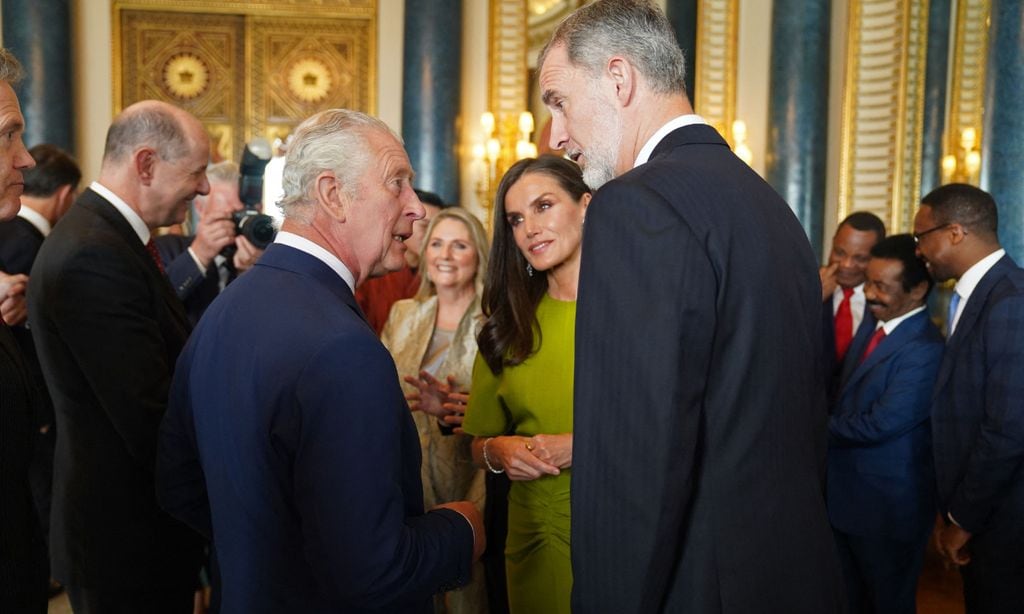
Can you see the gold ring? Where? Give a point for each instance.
(529, 446)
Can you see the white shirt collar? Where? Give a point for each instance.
(890, 325)
(35, 218)
(678, 122)
(305, 245)
(127, 212)
(969, 280)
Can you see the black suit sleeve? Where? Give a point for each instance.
(109, 319)
(636, 468)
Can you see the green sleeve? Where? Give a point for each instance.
(485, 415)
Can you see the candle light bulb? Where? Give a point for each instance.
(487, 123)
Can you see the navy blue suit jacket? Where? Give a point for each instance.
(833, 367)
(881, 481)
(195, 288)
(978, 415)
(699, 420)
(288, 440)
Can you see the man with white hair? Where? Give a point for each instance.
(291, 445)
(699, 433)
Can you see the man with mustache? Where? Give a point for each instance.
(881, 498)
(699, 433)
(109, 328)
(978, 402)
(291, 445)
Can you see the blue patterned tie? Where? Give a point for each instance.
(954, 301)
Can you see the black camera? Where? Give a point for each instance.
(249, 222)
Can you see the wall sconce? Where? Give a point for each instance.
(963, 165)
(739, 138)
(506, 139)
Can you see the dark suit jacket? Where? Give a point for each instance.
(195, 289)
(23, 576)
(293, 446)
(19, 243)
(833, 367)
(108, 329)
(978, 416)
(881, 477)
(699, 444)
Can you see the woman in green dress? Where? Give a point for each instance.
(520, 404)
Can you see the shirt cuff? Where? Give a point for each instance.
(202, 267)
(953, 520)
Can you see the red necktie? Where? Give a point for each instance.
(873, 343)
(844, 325)
(155, 255)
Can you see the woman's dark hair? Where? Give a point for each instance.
(511, 295)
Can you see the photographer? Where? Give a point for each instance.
(197, 266)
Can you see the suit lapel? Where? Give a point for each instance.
(906, 331)
(975, 305)
(106, 211)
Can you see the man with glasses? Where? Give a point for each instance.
(978, 402)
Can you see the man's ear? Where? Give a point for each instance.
(64, 194)
(624, 76)
(145, 159)
(330, 198)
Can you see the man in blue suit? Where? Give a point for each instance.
(978, 402)
(881, 481)
(291, 446)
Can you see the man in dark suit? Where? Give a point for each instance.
(109, 328)
(881, 477)
(978, 402)
(50, 188)
(22, 552)
(842, 291)
(196, 265)
(290, 444)
(699, 440)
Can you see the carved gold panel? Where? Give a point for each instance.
(883, 108)
(246, 69)
(715, 81)
(301, 66)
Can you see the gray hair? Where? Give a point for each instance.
(147, 125)
(223, 172)
(332, 140)
(10, 68)
(634, 29)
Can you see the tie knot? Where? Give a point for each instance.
(847, 293)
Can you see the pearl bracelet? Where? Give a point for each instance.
(487, 461)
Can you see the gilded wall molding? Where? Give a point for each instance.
(246, 69)
(967, 85)
(508, 86)
(715, 81)
(883, 103)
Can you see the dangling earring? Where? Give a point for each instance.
(529, 269)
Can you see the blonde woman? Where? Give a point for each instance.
(432, 338)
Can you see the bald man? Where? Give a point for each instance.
(109, 327)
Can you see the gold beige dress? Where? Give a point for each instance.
(447, 469)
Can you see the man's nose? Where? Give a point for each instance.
(559, 135)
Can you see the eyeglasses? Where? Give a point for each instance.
(918, 235)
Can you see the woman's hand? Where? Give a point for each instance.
(456, 406)
(553, 449)
(515, 455)
(431, 394)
